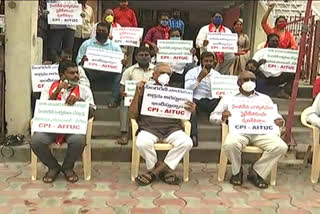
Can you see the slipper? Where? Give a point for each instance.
(256, 179)
(169, 177)
(51, 175)
(70, 175)
(112, 105)
(237, 179)
(123, 140)
(144, 180)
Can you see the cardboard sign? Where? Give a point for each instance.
(42, 74)
(177, 51)
(252, 118)
(54, 116)
(222, 42)
(130, 90)
(127, 36)
(281, 60)
(104, 60)
(64, 13)
(222, 85)
(166, 102)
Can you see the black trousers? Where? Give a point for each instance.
(76, 46)
(60, 39)
(203, 105)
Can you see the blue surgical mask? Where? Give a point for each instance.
(175, 38)
(164, 23)
(217, 20)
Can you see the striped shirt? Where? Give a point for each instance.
(176, 23)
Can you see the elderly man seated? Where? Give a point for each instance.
(69, 90)
(274, 147)
(153, 129)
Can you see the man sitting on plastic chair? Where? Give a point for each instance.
(274, 147)
(66, 89)
(154, 129)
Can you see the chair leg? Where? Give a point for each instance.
(34, 166)
(186, 162)
(222, 166)
(273, 176)
(315, 168)
(86, 161)
(135, 162)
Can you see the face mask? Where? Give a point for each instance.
(109, 19)
(175, 38)
(281, 25)
(164, 79)
(101, 36)
(144, 61)
(124, 5)
(217, 21)
(73, 83)
(248, 86)
(164, 23)
(273, 45)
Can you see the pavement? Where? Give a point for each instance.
(111, 191)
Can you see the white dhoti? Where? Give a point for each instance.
(180, 141)
(274, 147)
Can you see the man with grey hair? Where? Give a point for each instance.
(153, 129)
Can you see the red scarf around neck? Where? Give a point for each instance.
(166, 31)
(114, 25)
(221, 29)
(75, 91)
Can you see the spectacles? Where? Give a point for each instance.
(249, 79)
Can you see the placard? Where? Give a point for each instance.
(127, 36)
(42, 74)
(222, 42)
(174, 51)
(130, 90)
(281, 60)
(103, 60)
(252, 118)
(52, 116)
(64, 13)
(222, 85)
(166, 102)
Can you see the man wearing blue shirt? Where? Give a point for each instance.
(176, 22)
(101, 41)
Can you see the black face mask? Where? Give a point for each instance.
(101, 36)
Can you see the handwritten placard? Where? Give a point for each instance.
(104, 60)
(222, 42)
(130, 90)
(177, 51)
(53, 116)
(252, 118)
(281, 60)
(167, 102)
(64, 13)
(42, 74)
(222, 85)
(127, 36)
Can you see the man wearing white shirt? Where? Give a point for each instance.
(199, 80)
(278, 83)
(314, 116)
(225, 60)
(274, 147)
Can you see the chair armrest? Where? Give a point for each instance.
(187, 126)
(224, 131)
(135, 127)
(304, 115)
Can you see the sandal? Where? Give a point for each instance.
(51, 175)
(123, 140)
(112, 105)
(237, 179)
(144, 180)
(169, 177)
(256, 180)
(70, 175)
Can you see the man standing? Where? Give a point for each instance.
(274, 147)
(142, 71)
(66, 89)
(199, 80)
(176, 22)
(83, 31)
(151, 129)
(101, 41)
(108, 17)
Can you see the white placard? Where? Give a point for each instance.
(222, 85)
(166, 102)
(281, 60)
(222, 42)
(252, 118)
(42, 74)
(52, 116)
(174, 51)
(104, 60)
(64, 13)
(2, 21)
(127, 36)
(130, 90)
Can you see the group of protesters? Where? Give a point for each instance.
(256, 82)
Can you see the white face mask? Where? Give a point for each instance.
(248, 86)
(164, 79)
